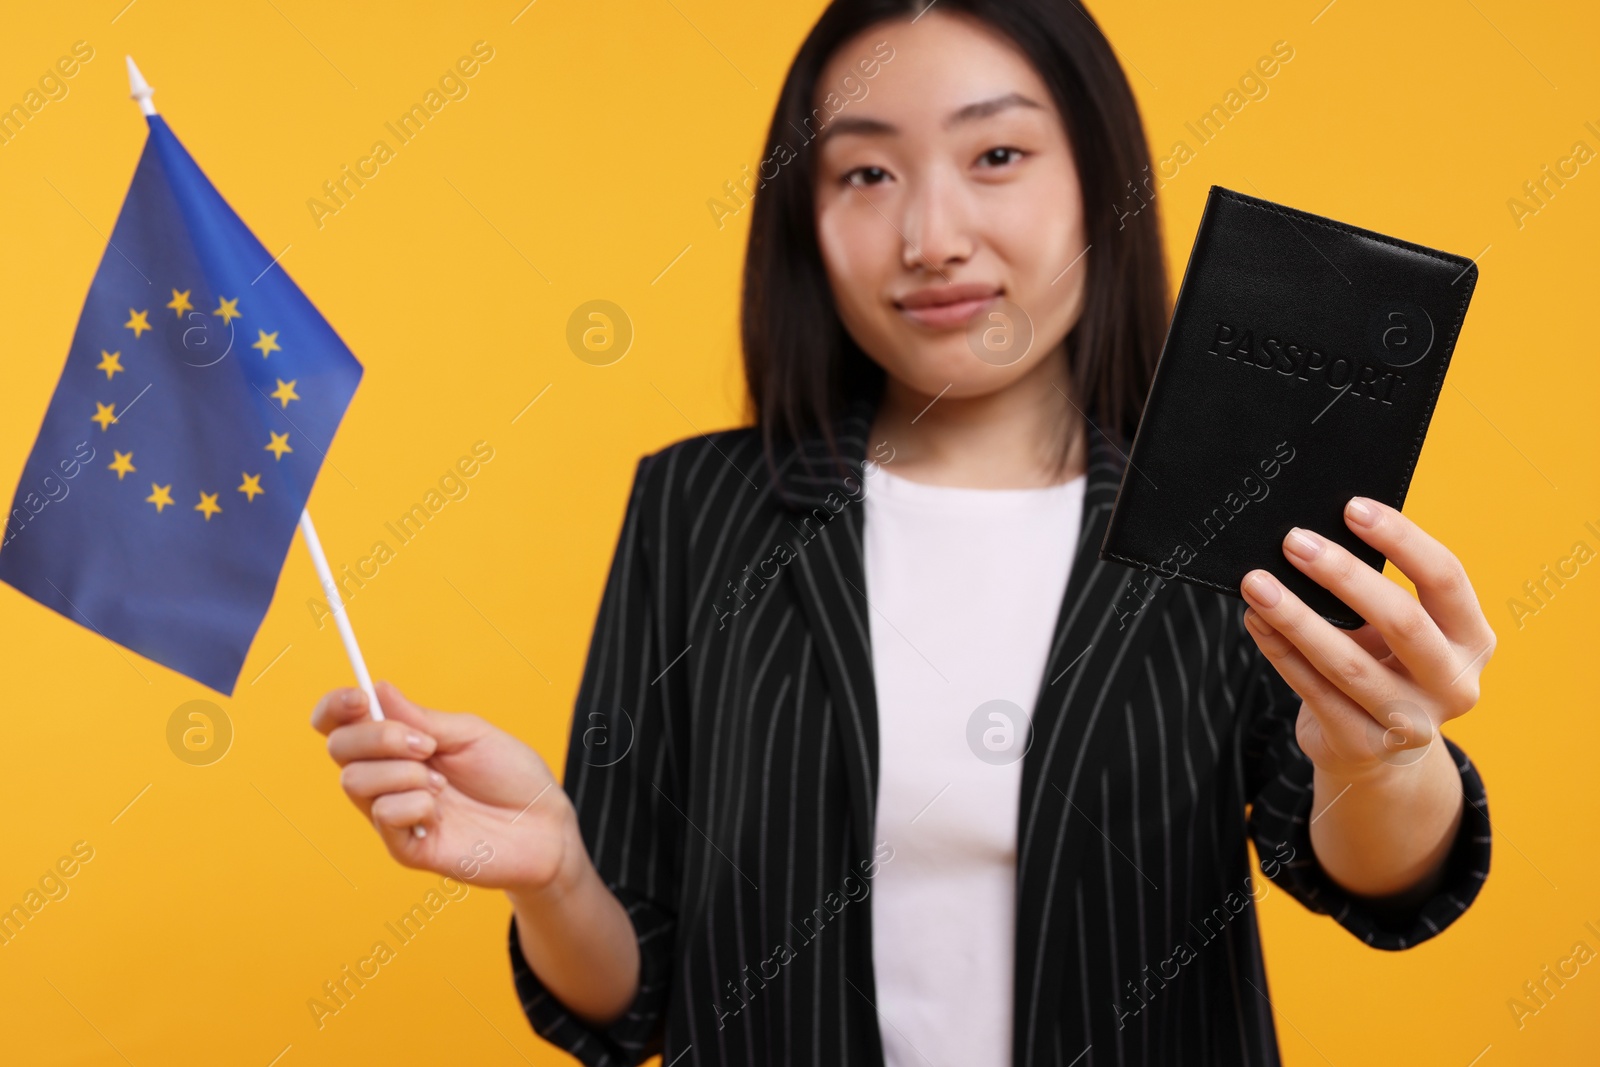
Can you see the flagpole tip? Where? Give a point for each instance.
(139, 89)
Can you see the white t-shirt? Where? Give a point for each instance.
(964, 588)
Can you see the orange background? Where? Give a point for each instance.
(578, 167)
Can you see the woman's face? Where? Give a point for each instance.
(949, 176)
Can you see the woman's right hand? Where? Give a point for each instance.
(492, 811)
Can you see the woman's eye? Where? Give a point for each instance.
(860, 176)
(1001, 156)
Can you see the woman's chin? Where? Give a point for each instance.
(956, 379)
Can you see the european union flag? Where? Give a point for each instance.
(198, 400)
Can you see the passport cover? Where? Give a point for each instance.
(1301, 368)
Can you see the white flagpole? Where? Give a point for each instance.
(140, 90)
(330, 589)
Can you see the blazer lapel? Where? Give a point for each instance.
(1107, 618)
(831, 585)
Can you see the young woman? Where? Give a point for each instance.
(873, 760)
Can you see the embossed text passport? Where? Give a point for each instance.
(1301, 368)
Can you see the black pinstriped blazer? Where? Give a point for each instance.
(723, 763)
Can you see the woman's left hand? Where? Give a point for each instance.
(1374, 698)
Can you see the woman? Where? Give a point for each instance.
(876, 761)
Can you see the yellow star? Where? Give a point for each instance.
(279, 445)
(110, 362)
(285, 392)
(103, 415)
(160, 496)
(268, 343)
(251, 486)
(228, 309)
(208, 504)
(122, 464)
(137, 322)
(180, 302)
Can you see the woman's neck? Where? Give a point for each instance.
(1009, 439)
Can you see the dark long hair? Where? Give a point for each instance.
(802, 367)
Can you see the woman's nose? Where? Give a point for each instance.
(934, 227)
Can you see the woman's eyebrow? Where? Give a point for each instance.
(984, 108)
(864, 126)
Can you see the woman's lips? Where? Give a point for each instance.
(949, 316)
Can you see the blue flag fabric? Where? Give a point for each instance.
(200, 395)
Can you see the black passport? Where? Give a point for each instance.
(1301, 367)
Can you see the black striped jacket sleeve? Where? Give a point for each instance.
(1279, 785)
(620, 773)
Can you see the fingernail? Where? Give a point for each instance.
(1361, 511)
(1303, 543)
(1263, 587)
(353, 697)
(419, 743)
(436, 780)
